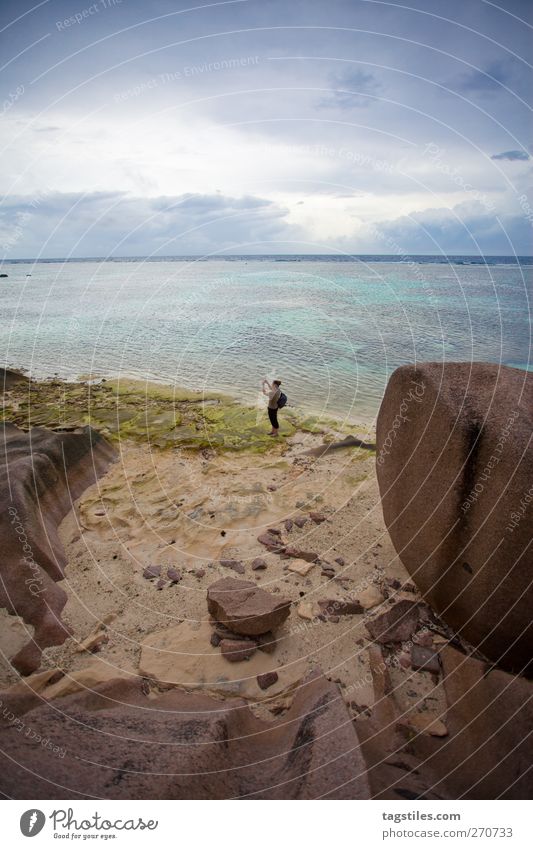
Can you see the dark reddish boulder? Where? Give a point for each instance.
(245, 608)
(152, 571)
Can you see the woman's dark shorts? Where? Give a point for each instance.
(273, 416)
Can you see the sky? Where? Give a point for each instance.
(265, 126)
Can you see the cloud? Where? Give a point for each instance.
(117, 224)
(491, 79)
(512, 155)
(466, 228)
(350, 89)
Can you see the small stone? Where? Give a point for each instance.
(237, 650)
(288, 525)
(305, 610)
(396, 624)
(153, 571)
(236, 565)
(173, 575)
(334, 619)
(258, 563)
(275, 531)
(317, 518)
(339, 607)
(300, 521)
(271, 542)
(370, 597)
(301, 567)
(215, 639)
(267, 679)
(200, 573)
(425, 659)
(340, 561)
(298, 554)
(160, 584)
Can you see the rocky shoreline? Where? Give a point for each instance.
(224, 617)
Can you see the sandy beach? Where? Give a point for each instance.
(194, 492)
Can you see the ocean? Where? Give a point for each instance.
(332, 329)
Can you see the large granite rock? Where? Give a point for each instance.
(455, 471)
(245, 608)
(476, 745)
(41, 473)
(115, 742)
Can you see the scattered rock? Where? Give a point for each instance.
(301, 567)
(340, 561)
(275, 531)
(317, 518)
(237, 650)
(425, 659)
(236, 565)
(215, 639)
(396, 624)
(160, 584)
(288, 525)
(258, 564)
(200, 573)
(173, 575)
(246, 608)
(267, 680)
(153, 571)
(298, 554)
(300, 521)
(272, 542)
(370, 597)
(306, 610)
(340, 607)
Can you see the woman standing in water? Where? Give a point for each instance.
(273, 392)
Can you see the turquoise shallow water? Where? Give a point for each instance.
(333, 331)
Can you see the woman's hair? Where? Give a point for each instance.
(276, 382)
